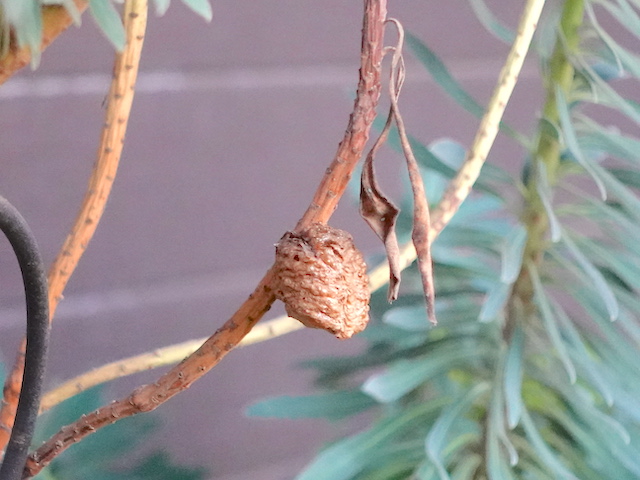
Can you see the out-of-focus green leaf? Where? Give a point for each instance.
(512, 250)
(549, 320)
(346, 458)
(406, 375)
(162, 6)
(438, 434)
(550, 460)
(581, 355)
(513, 377)
(626, 176)
(494, 302)
(442, 77)
(606, 95)
(332, 405)
(600, 284)
(571, 141)
(109, 21)
(25, 18)
(466, 467)
(491, 23)
(624, 265)
(546, 197)
(201, 7)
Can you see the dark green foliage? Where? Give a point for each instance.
(494, 392)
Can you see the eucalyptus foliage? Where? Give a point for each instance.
(534, 369)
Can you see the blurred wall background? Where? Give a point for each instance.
(233, 125)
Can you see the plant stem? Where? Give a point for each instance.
(547, 152)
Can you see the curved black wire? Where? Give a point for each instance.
(34, 278)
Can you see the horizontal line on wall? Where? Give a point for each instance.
(188, 289)
(48, 86)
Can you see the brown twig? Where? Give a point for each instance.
(461, 185)
(324, 202)
(120, 99)
(350, 150)
(55, 20)
(421, 217)
(157, 358)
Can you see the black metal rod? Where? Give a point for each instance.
(15, 228)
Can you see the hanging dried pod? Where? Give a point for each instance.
(322, 279)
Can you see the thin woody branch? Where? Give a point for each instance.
(149, 397)
(120, 99)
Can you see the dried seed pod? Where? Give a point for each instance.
(322, 280)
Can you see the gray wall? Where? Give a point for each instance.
(232, 127)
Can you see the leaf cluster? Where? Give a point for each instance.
(533, 371)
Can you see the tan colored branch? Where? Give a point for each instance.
(179, 378)
(55, 20)
(157, 358)
(119, 103)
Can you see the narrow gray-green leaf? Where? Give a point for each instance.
(546, 197)
(513, 377)
(599, 282)
(333, 405)
(494, 302)
(406, 375)
(491, 23)
(201, 7)
(549, 320)
(571, 141)
(438, 433)
(25, 18)
(511, 253)
(545, 453)
(162, 6)
(109, 21)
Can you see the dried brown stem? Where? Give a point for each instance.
(333, 184)
(120, 98)
(55, 20)
(421, 217)
(350, 150)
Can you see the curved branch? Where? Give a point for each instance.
(149, 397)
(120, 99)
(26, 250)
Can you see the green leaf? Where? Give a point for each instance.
(201, 7)
(546, 197)
(599, 282)
(511, 253)
(406, 375)
(495, 301)
(545, 453)
(549, 320)
(346, 458)
(491, 23)
(25, 17)
(162, 6)
(333, 405)
(109, 21)
(438, 434)
(442, 77)
(513, 377)
(571, 141)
